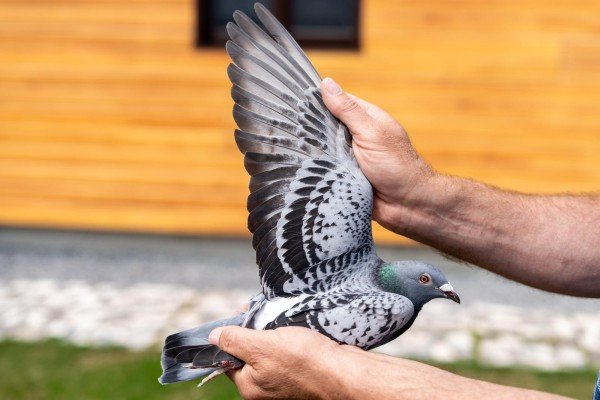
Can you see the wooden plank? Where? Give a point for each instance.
(110, 119)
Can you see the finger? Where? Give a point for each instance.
(247, 387)
(234, 375)
(361, 102)
(239, 342)
(239, 379)
(347, 108)
(371, 109)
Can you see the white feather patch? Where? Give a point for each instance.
(272, 308)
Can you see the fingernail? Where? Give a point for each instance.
(213, 337)
(332, 87)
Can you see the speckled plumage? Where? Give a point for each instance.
(309, 212)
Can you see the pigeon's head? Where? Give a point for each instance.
(416, 280)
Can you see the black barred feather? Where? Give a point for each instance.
(258, 197)
(264, 111)
(267, 144)
(263, 71)
(251, 102)
(256, 86)
(251, 122)
(256, 163)
(264, 212)
(271, 61)
(287, 42)
(282, 173)
(265, 232)
(261, 38)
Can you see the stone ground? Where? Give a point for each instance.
(132, 290)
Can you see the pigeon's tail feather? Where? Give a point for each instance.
(188, 355)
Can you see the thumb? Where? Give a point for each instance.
(345, 106)
(237, 341)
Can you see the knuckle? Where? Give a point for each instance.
(264, 380)
(349, 105)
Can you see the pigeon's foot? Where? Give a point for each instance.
(212, 375)
(225, 364)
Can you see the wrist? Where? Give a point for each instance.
(323, 380)
(411, 185)
(422, 206)
(337, 374)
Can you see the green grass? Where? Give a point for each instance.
(578, 384)
(54, 370)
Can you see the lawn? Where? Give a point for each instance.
(54, 370)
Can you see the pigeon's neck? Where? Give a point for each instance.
(386, 279)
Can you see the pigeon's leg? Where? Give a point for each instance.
(226, 364)
(212, 375)
(223, 366)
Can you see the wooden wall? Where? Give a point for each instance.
(110, 119)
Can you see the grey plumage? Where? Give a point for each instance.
(309, 212)
(180, 350)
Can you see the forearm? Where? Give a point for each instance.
(549, 242)
(366, 376)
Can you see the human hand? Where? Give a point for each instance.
(289, 363)
(383, 151)
(298, 363)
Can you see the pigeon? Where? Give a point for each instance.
(310, 214)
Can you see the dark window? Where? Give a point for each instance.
(313, 23)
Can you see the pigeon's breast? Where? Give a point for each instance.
(368, 321)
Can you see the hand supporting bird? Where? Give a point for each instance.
(383, 150)
(298, 363)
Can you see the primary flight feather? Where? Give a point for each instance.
(310, 214)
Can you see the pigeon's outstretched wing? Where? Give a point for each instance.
(310, 204)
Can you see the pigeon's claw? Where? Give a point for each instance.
(227, 364)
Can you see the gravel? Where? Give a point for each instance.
(205, 263)
(132, 290)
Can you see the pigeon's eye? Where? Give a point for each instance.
(424, 279)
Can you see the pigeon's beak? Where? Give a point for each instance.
(449, 292)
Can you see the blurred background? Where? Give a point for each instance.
(122, 193)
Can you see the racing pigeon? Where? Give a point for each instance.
(310, 214)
